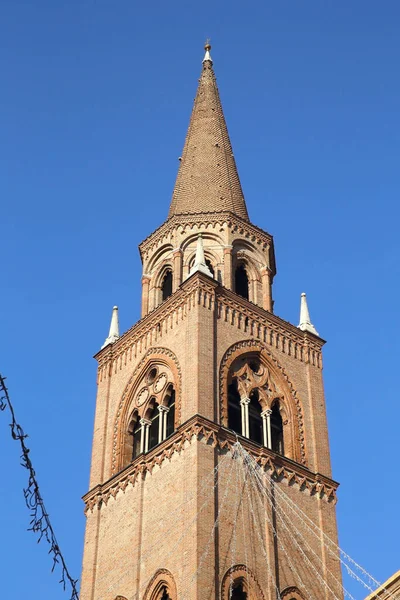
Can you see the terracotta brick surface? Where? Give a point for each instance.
(132, 535)
(167, 516)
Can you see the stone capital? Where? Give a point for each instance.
(245, 400)
(266, 413)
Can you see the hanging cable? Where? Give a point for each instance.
(40, 520)
(263, 489)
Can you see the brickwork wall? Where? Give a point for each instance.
(123, 545)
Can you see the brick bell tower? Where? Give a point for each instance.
(207, 365)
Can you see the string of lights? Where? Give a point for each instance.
(40, 522)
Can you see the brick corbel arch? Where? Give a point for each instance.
(161, 578)
(292, 592)
(288, 395)
(241, 573)
(156, 356)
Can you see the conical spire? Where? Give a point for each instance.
(113, 334)
(200, 261)
(207, 180)
(305, 323)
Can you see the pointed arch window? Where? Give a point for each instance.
(154, 427)
(238, 592)
(161, 587)
(165, 595)
(166, 286)
(135, 431)
(209, 265)
(234, 409)
(242, 281)
(255, 419)
(170, 417)
(276, 429)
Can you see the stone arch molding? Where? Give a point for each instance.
(278, 385)
(162, 578)
(241, 573)
(134, 396)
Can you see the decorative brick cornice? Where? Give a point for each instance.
(278, 326)
(198, 428)
(181, 222)
(240, 313)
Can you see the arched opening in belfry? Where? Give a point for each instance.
(170, 426)
(241, 282)
(255, 419)
(234, 416)
(238, 592)
(154, 426)
(165, 595)
(209, 265)
(276, 429)
(166, 286)
(135, 434)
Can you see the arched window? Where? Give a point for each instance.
(237, 592)
(166, 286)
(161, 587)
(171, 413)
(276, 429)
(209, 265)
(135, 431)
(241, 282)
(291, 593)
(234, 416)
(154, 427)
(255, 419)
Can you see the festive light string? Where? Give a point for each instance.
(242, 487)
(262, 490)
(163, 533)
(316, 531)
(256, 482)
(207, 548)
(304, 520)
(257, 529)
(277, 537)
(249, 477)
(40, 520)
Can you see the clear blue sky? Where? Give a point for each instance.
(95, 103)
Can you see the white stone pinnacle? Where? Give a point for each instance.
(200, 261)
(207, 55)
(113, 334)
(305, 323)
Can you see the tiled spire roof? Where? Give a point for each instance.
(207, 180)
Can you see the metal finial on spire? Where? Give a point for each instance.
(207, 48)
(113, 334)
(305, 323)
(200, 261)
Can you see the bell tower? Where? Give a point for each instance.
(210, 420)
